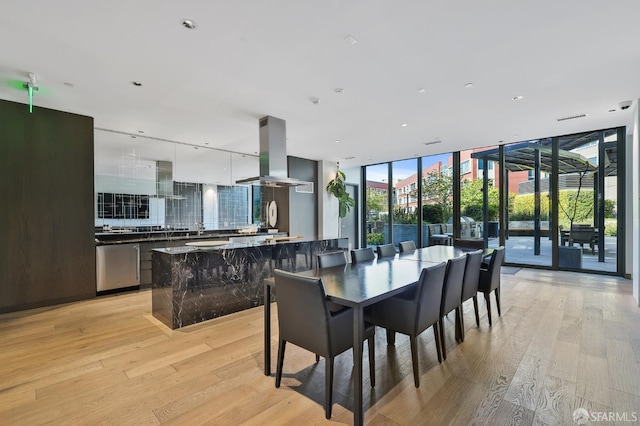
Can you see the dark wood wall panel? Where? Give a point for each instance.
(47, 248)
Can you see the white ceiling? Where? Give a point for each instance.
(251, 58)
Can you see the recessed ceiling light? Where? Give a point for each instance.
(468, 85)
(206, 143)
(349, 158)
(315, 101)
(136, 83)
(133, 136)
(403, 125)
(433, 142)
(195, 147)
(517, 98)
(338, 90)
(421, 90)
(350, 39)
(612, 110)
(188, 24)
(140, 131)
(68, 84)
(337, 141)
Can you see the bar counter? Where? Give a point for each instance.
(191, 284)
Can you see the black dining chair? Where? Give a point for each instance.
(327, 260)
(405, 246)
(305, 320)
(451, 295)
(412, 312)
(469, 243)
(362, 255)
(470, 286)
(386, 250)
(490, 279)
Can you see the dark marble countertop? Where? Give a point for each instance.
(107, 238)
(266, 243)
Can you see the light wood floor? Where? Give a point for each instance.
(564, 341)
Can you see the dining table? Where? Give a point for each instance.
(362, 284)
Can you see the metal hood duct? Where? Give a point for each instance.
(273, 156)
(164, 181)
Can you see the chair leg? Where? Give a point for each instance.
(372, 360)
(414, 360)
(328, 388)
(443, 345)
(475, 308)
(497, 292)
(317, 358)
(460, 318)
(391, 337)
(436, 335)
(281, 348)
(488, 301)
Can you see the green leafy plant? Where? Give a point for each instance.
(338, 189)
(375, 238)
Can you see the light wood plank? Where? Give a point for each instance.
(68, 364)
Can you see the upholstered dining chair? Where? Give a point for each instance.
(362, 255)
(405, 246)
(412, 312)
(490, 279)
(386, 250)
(451, 295)
(469, 243)
(470, 286)
(327, 260)
(305, 320)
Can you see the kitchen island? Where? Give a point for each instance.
(191, 284)
(146, 241)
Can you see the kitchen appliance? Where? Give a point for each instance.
(117, 266)
(273, 156)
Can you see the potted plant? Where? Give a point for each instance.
(338, 189)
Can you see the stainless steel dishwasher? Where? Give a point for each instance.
(117, 266)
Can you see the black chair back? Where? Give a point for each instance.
(429, 296)
(362, 255)
(452, 291)
(490, 278)
(471, 275)
(303, 315)
(327, 260)
(405, 246)
(386, 250)
(469, 243)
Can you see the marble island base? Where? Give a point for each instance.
(191, 285)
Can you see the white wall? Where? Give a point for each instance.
(327, 204)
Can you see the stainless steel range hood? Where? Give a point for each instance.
(164, 181)
(273, 156)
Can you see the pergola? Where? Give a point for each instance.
(538, 156)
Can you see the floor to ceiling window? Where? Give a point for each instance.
(560, 196)
(479, 198)
(437, 196)
(376, 205)
(405, 201)
(588, 201)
